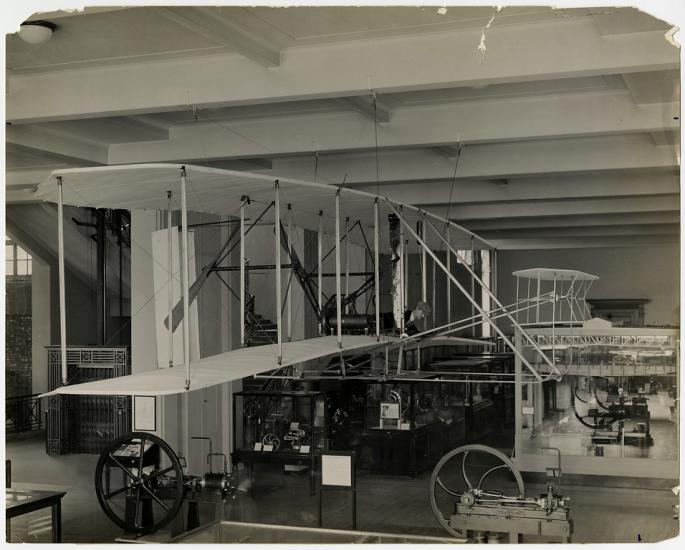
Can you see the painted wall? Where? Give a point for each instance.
(641, 272)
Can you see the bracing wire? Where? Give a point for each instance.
(454, 181)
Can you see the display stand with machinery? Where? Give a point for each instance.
(604, 399)
(405, 425)
(608, 421)
(279, 427)
(141, 485)
(476, 492)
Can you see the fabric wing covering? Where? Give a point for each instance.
(221, 368)
(220, 192)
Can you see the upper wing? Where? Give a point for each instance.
(221, 192)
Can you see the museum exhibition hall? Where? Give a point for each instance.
(338, 274)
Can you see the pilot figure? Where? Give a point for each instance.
(421, 311)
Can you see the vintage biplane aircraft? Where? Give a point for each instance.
(319, 207)
(351, 344)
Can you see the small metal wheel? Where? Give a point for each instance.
(252, 409)
(592, 418)
(272, 439)
(139, 482)
(472, 474)
(399, 396)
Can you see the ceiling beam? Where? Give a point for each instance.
(561, 49)
(469, 123)
(364, 106)
(149, 127)
(556, 207)
(210, 23)
(486, 161)
(591, 231)
(531, 189)
(653, 86)
(55, 142)
(575, 220)
(557, 243)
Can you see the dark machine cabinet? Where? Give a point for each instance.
(279, 428)
(408, 426)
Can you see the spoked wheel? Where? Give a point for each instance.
(594, 421)
(472, 474)
(139, 482)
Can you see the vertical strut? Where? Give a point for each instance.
(277, 237)
(347, 262)
(170, 265)
(403, 291)
(447, 279)
(433, 293)
(319, 252)
(290, 289)
(473, 289)
(424, 266)
(62, 284)
(186, 282)
(243, 200)
(338, 302)
(376, 270)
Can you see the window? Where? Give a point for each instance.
(18, 262)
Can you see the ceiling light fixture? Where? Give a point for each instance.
(36, 32)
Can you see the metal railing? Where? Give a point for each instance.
(23, 413)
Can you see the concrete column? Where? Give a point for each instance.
(40, 324)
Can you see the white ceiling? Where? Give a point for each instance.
(568, 120)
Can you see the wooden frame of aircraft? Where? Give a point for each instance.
(320, 207)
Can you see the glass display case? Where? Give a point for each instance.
(408, 426)
(612, 405)
(279, 427)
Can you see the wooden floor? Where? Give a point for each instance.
(389, 504)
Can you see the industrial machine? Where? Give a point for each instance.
(477, 493)
(141, 484)
(608, 419)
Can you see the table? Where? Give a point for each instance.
(18, 503)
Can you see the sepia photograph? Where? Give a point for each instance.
(334, 273)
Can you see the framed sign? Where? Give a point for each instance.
(337, 469)
(144, 413)
(338, 473)
(390, 411)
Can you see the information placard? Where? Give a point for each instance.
(144, 413)
(336, 470)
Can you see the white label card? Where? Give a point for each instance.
(336, 470)
(304, 449)
(144, 413)
(268, 448)
(257, 446)
(528, 410)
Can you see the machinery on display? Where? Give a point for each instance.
(141, 484)
(477, 493)
(608, 419)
